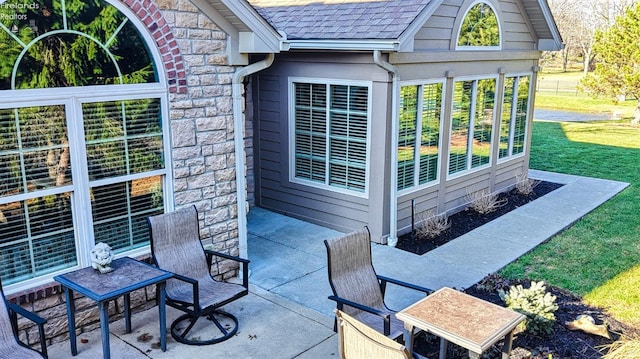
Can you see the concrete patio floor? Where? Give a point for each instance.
(287, 314)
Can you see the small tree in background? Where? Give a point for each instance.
(617, 73)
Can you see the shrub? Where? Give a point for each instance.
(430, 225)
(484, 202)
(524, 184)
(534, 302)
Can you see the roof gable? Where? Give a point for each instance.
(270, 26)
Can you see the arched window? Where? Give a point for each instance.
(480, 28)
(82, 156)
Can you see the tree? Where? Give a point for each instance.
(617, 72)
(578, 22)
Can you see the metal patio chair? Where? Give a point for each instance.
(176, 247)
(357, 289)
(10, 344)
(356, 340)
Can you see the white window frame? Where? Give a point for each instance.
(416, 174)
(72, 98)
(292, 145)
(510, 156)
(479, 48)
(472, 121)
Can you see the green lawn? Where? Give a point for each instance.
(559, 91)
(598, 257)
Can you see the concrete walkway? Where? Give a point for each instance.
(288, 315)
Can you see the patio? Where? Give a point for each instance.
(287, 313)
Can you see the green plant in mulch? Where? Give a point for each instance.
(535, 303)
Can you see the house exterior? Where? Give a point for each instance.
(352, 113)
(395, 107)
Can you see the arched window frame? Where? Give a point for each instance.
(73, 98)
(460, 21)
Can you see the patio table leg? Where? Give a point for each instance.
(408, 337)
(506, 348)
(163, 315)
(71, 320)
(103, 308)
(127, 313)
(443, 348)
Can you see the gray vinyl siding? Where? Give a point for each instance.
(442, 27)
(437, 32)
(324, 206)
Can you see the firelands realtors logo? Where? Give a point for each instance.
(15, 11)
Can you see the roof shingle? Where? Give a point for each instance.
(340, 19)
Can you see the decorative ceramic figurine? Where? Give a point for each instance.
(101, 256)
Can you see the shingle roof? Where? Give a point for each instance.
(340, 19)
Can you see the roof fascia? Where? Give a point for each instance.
(341, 45)
(233, 52)
(262, 38)
(406, 38)
(265, 38)
(555, 43)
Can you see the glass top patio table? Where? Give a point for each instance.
(128, 275)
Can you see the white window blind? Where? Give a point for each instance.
(419, 134)
(471, 124)
(515, 110)
(36, 227)
(330, 143)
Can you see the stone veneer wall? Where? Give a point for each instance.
(193, 51)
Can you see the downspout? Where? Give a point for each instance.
(238, 139)
(393, 193)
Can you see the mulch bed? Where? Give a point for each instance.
(468, 220)
(561, 344)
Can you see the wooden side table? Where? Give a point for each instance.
(462, 319)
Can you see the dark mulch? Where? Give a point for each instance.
(561, 344)
(467, 220)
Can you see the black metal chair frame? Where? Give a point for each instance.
(382, 281)
(13, 311)
(194, 311)
(197, 312)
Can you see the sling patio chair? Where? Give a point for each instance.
(357, 289)
(356, 340)
(10, 344)
(176, 247)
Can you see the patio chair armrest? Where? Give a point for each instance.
(38, 320)
(384, 280)
(386, 317)
(210, 252)
(244, 263)
(27, 314)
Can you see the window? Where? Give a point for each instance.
(471, 124)
(84, 166)
(480, 28)
(419, 134)
(515, 111)
(330, 124)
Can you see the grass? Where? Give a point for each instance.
(559, 91)
(598, 256)
(585, 104)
